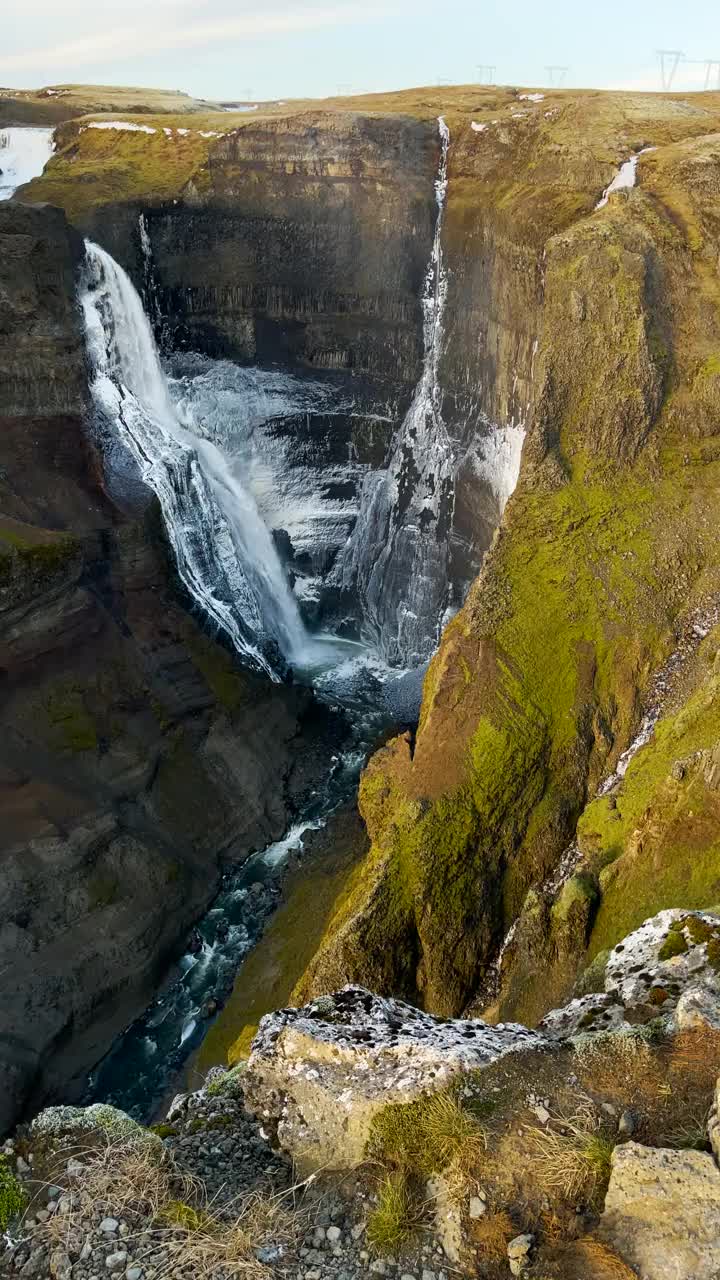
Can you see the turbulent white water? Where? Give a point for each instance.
(24, 153)
(293, 437)
(224, 552)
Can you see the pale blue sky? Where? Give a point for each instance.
(292, 48)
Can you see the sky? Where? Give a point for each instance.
(269, 49)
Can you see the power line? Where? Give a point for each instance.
(670, 60)
(556, 75)
(486, 73)
(711, 65)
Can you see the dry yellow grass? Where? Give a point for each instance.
(492, 1234)
(573, 1157)
(186, 1231)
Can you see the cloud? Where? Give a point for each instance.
(124, 41)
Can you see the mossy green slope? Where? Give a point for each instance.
(610, 540)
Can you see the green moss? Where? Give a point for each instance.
(593, 977)
(103, 890)
(28, 550)
(13, 1199)
(663, 840)
(268, 976)
(229, 684)
(98, 166)
(164, 1130)
(674, 945)
(230, 1083)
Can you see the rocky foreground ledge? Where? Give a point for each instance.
(364, 1137)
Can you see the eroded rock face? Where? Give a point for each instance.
(662, 1212)
(321, 1073)
(136, 758)
(667, 967)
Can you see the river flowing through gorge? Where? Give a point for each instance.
(312, 531)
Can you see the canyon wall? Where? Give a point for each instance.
(606, 551)
(596, 330)
(137, 759)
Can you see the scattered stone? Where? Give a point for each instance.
(519, 1251)
(476, 1208)
(626, 1124)
(178, 1106)
(109, 1224)
(334, 1235)
(115, 1261)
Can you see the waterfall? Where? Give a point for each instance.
(149, 285)
(397, 557)
(225, 555)
(24, 152)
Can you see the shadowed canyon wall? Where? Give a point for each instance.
(136, 757)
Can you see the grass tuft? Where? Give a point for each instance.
(398, 1214)
(428, 1136)
(574, 1158)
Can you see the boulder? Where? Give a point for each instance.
(321, 1073)
(665, 968)
(662, 1212)
(100, 1118)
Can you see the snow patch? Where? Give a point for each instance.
(625, 178)
(478, 128)
(532, 97)
(124, 126)
(500, 461)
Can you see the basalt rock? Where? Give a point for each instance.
(136, 758)
(322, 1073)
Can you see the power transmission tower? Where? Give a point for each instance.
(712, 66)
(670, 60)
(486, 73)
(557, 75)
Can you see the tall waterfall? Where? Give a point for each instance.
(397, 557)
(24, 152)
(224, 552)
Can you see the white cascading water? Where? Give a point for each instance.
(24, 152)
(224, 552)
(397, 555)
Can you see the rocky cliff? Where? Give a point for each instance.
(591, 325)
(607, 550)
(136, 758)
(430, 1147)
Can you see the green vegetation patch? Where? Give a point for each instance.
(13, 1199)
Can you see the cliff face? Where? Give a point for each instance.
(594, 329)
(301, 240)
(136, 758)
(607, 547)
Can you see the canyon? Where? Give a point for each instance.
(302, 408)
